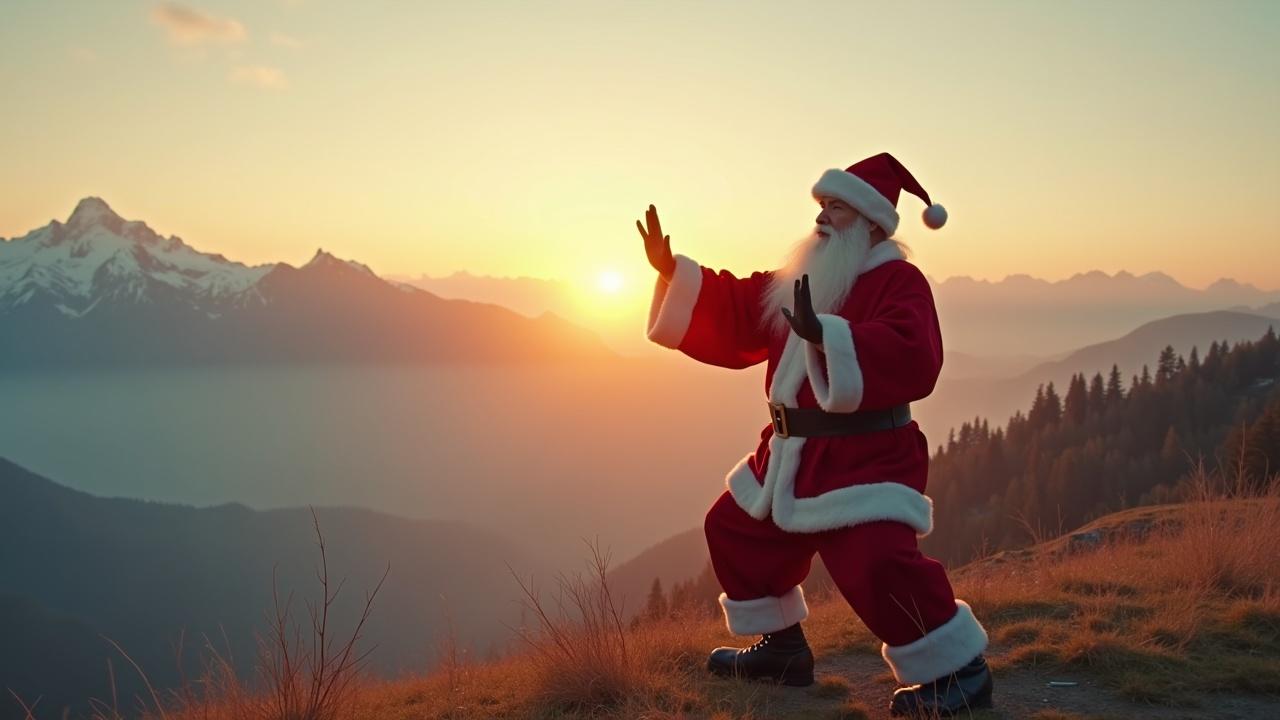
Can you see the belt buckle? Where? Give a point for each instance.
(778, 415)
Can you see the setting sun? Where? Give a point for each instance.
(610, 281)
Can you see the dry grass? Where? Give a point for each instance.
(853, 710)
(305, 672)
(1163, 611)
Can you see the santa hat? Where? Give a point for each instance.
(872, 186)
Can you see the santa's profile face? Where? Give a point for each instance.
(836, 214)
(831, 255)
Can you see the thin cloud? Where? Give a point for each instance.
(188, 26)
(280, 39)
(260, 76)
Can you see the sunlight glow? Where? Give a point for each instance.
(610, 281)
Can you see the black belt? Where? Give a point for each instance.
(813, 422)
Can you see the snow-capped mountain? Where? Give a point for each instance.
(97, 256)
(101, 289)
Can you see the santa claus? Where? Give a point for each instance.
(849, 334)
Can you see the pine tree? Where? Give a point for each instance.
(1253, 450)
(1046, 409)
(1165, 365)
(657, 605)
(1097, 395)
(1053, 404)
(1036, 416)
(1076, 404)
(1115, 386)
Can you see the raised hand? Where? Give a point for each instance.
(656, 245)
(805, 320)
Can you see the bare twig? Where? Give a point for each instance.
(28, 710)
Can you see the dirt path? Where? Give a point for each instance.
(847, 682)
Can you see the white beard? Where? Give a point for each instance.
(832, 264)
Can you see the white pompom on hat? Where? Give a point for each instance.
(935, 216)
(872, 187)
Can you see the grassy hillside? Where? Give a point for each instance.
(1163, 611)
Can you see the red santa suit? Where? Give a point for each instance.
(857, 500)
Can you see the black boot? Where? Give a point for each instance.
(968, 687)
(782, 656)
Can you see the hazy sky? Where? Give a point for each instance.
(525, 138)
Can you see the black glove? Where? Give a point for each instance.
(805, 320)
(656, 245)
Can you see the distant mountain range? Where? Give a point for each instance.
(1022, 314)
(1005, 326)
(75, 567)
(101, 290)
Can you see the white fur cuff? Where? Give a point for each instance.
(671, 309)
(766, 614)
(940, 652)
(843, 393)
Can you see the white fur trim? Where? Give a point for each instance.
(754, 499)
(833, 509)
(789, 372)
(671, 309)
(935, 216)
(766, 614)
(882, 252)
(843, 393)
(857, 192)
(852, 505)
(940, 652)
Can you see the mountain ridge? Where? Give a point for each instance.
(158, 300)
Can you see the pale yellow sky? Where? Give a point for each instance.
(525, 138)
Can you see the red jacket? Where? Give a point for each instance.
(883, 347)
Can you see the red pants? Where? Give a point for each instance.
(901, 595)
